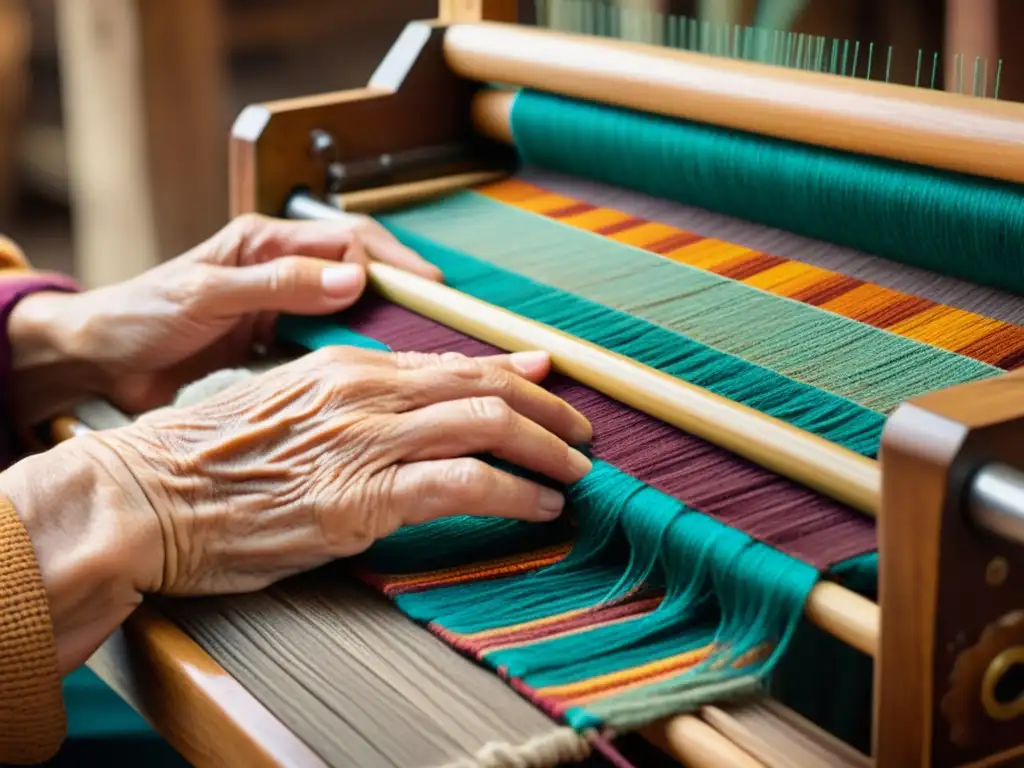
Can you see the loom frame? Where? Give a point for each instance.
(484, 52)
(195, 704)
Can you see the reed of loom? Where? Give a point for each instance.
(946, 457)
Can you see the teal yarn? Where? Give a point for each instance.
(313, 333)
(822, 413)
(96, 711)
(103, 729)
(959, 225)
(723, 591)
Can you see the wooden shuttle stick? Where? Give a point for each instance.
(955, 132)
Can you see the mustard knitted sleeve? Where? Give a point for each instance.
(32, 717)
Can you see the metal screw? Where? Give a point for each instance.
(996, 571)
(321, 145)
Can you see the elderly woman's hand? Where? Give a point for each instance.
(284, 471)
(138, 341)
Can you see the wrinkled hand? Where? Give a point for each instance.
(319, 458)
(205, 309)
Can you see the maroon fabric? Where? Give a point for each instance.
(779, 512)
(12, 290)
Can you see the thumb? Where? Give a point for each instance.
(294, 284)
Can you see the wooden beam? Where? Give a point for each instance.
(451, 11)
(15, 37)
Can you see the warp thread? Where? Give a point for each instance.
(815, 410)
(624, 710)
(822, 264)
(693, 290)
(730, 603)
(550, 750)
(773, 509)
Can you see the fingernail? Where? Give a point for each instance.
(342, 281)
(551, 503)
(528, 362)
(579, 463)
(582, 432)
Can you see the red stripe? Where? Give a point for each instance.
(899, 310)
(1003, 348)
(571, 210)
(620, 226)
(827, 290)
(672, 242)
(748, 265)
(593, 618)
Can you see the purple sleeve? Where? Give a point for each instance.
(13, 288)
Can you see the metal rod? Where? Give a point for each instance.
(996, 501)
(302, 205)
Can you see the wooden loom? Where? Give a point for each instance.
(945, 491)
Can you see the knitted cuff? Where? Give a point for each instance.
(32, 716)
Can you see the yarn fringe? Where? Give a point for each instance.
(560, 747)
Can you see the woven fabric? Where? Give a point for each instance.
(902, 279)
(649, 604)
(874, 367)
(903, 313)
(907, 213)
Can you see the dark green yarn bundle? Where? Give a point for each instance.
(957, 225)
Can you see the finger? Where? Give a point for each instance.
(264, 238)
(385, 247)
(478, 425)
(462, 378)
(533, 365)
(294, 284)
(428, 490)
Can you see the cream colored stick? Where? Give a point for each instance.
(696, 744)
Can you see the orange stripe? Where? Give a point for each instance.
(755, 655)
(597, 624)
(592, 219)
(511, 190)
(537, 623)
(615, 679)
(479, 575)
(982, 338)
(538, 556)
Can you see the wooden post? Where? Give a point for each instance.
(972, 31)
(15, 41)
(949, 591)
(451, 11)
(145, 112)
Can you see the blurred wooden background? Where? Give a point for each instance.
(114, 114)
